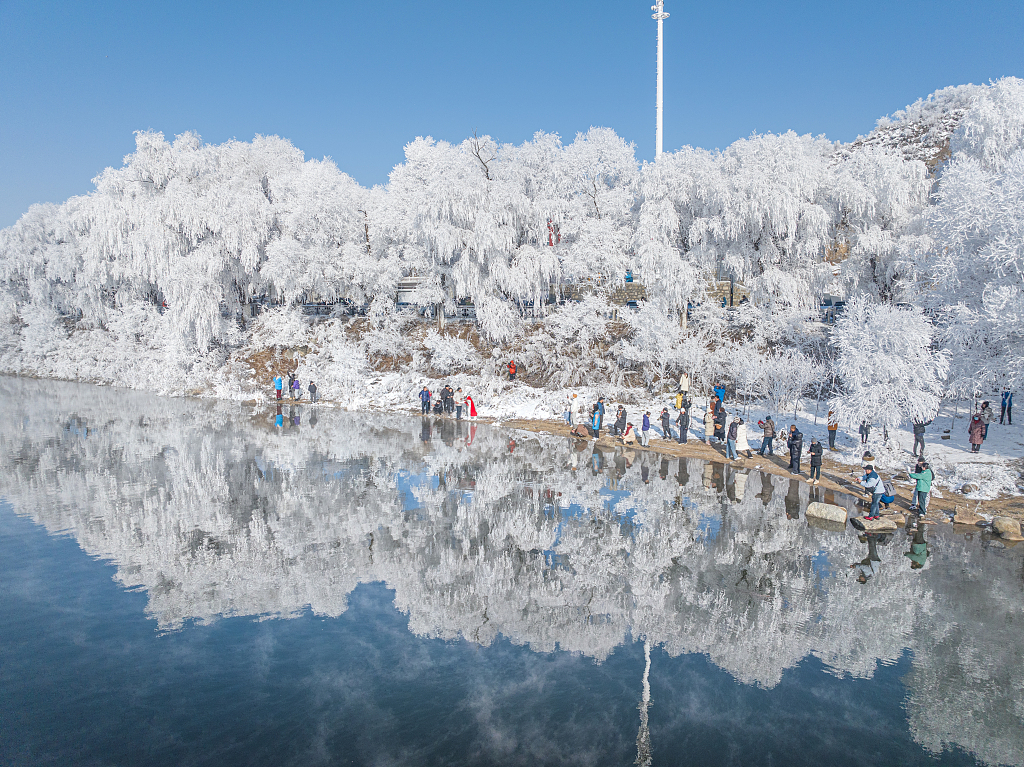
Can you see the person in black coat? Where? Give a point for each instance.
(815, 451)
(795, 443)
(683, 420)
(619, 427)
(666, 424)
(720, 416)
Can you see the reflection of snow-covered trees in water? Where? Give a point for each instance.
(215, 511)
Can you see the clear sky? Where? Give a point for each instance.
(357, 81)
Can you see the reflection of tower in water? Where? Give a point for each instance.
(643, 737)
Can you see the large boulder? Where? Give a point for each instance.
(828, 511)
(1008, 528)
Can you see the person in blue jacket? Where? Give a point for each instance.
(278, 384)
(1006, 408)
(645, 428)
(425, 401)
(598, 416)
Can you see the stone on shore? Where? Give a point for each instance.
(827, 511)
(882, 525)
(962, 516)
(1008, 528)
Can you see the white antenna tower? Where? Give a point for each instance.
(659, 16)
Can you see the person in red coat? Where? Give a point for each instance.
(976, 432)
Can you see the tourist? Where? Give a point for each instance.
(768, 427)
(580, 430)
(628, 434)
(795, 443)
(511, 370)
(730, 440)
(600, 414)
(709, 425)
(976, 432)
(460, 402)
(1006, 408)
(684, 383)
(919, 427)
(679, 400)
(815, 451)
(713, 404)
(666, 424)
(924, 476)
(471, 407)
(987, 416)
(645, 429)
(720, 393)
(619, 428)
(683, 422)
(568, 408)
(872, 483)
(296, 389)
(833, 428)
(720, 418)
(595, 420)
(742, 446)
(424, 401)
(278, 384)
(312, 392)
(865, 432)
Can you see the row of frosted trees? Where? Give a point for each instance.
(195, 231)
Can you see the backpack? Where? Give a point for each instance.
(890, 488)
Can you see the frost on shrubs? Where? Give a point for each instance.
(282, 326)
(337, 364)
(449, 354)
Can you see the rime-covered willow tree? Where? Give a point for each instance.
(975, 266)
(503, 223)
(188, 229)
(888, 371)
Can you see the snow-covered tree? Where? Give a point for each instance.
(887, 368)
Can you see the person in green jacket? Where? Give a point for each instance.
(924, 479)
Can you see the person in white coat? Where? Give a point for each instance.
(709, 426)
(741, 439)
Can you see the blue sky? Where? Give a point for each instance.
(357, 81)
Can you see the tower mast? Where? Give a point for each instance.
(659, 16)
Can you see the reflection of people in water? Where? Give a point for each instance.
(766, 488)
(512, 445)
(868, 566)
(683, 473)
(918, 549)
(425, 429)
(293, 416)
(279, 419)
(663, 469)
(472, 434)
(793, 500)
(312, 419)
(595, 461)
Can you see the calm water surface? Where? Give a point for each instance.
(190, 583)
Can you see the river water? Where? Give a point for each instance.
(188, 582)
